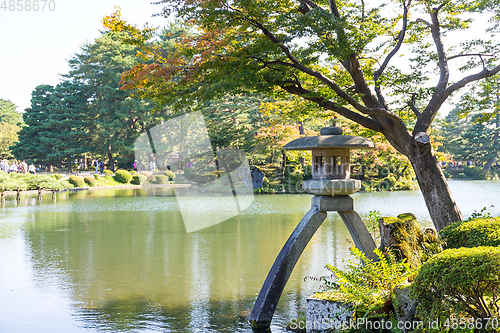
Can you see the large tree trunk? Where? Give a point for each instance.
(437, 195)
(111, 163)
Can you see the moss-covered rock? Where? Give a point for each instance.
(403, 237)
(478, 232)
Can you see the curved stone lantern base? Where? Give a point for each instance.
(331, 186)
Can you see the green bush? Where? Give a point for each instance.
(474, 172)
(76, 181)
(108, 173)
(478, 232)
(149, 175)
(90, 181)
(459, 282)
(170, 175)
(57, 176)
(138, 179)
(123, 176)
(205, 178)
(189, 173)
(97, 176)
(160, 179)
(133, 172)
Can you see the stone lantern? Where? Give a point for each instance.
(331, 164)
(331, 186)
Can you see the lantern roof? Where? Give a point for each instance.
(330, 141)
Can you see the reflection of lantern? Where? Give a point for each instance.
(331, 165)
(331, 186)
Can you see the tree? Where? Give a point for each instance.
(65, 129)
(9, 114)
(338, 55)
(30, 146)
(115, 118)
(482, 103)
(8, 137)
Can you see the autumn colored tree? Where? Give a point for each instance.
(340, 56)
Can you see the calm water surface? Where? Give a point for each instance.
(121, 260)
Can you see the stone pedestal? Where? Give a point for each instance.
(322, 315)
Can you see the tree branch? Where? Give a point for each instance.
(323, 102)
(379, 72)
(425, 119)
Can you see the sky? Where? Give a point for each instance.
(35, 46)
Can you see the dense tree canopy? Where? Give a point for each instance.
(341, 56)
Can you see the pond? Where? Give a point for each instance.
(121, 260)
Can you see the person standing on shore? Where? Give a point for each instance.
(101, 167)
(32, 169)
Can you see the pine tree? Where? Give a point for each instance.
(29, 146)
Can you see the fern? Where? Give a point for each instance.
(367, 284)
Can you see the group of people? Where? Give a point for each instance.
(99, 166)
(21, 167)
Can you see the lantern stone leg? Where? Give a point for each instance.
(276, 280)
(270, 294)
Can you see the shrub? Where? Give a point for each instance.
(57, 176)
(474, 172)
(138, 179)
(76, 181)
(108, 173)
(160, 179)
(170, 175)
(133, 172)
(150, 176)
(368, 285)
(123, 176)
(458, 282)
(205, 178)
(189, 173)
(97, 176)
(90, 181)
(478, 232)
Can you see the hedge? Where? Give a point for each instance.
(123, 176)
(138, 179)
(459, 282)
(76, 181)
(478, 232)
(170, 175)
(160, 179)
(90, 181)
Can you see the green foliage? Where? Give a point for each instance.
(97, 176)
(57, 176)
(108, 172)
(76, 181)
(123, 176)
(9, 114)
(8, 137)
(171, 175)
(475, 173)
(459, 282)
(478, 232)
(30, 146)
(138, 179)
(160, 179)
(90, 181)
(367, 284)
(189, 173)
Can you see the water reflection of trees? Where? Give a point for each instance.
(132, 269)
